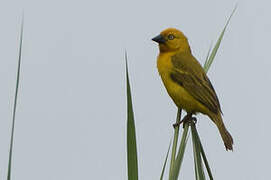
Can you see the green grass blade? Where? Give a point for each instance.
(199, 171)
(204, 156)
(132, 163)
(15, 102)
(195, 163)
(179, 159)
(207, 57)
(165, 163)
(175, 140)
(210, 60)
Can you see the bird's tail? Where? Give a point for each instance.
(226, 136)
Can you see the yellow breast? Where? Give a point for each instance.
(179, 95)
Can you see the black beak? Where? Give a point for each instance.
(159, 39)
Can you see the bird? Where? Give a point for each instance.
(186, 81)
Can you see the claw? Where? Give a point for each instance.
(176, 125)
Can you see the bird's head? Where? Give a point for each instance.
(172, 39)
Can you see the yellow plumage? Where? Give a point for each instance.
(179, 95)
(185, 80)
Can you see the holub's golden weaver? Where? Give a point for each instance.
(186, 81)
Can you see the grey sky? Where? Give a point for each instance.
(71, 120)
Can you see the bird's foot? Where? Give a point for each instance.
(177, 124)
(186, 119)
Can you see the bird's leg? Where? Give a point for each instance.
(187, 118)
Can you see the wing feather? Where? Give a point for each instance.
(195, 81)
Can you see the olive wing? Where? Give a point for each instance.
(189, 74)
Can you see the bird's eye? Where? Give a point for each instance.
(171, 37)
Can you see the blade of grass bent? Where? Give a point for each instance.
(199, 171)
(210, 60)
(180, 155)
(204, 156)
(165, 163)
(132, 163)
(175, 141)
(15, 101)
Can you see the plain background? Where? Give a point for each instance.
(71, 118)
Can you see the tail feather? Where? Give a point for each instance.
(226, 136)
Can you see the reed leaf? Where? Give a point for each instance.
(207, 57)
(132, 163)
(175, 141)
(165, 163)
(204, 156)
(179, 159)
(199, 171)
(210, 60)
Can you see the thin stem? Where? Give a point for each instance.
(165, 163)
(204, 156)
(175, 140)
(15, 102)
(180, 154)
(199, 172)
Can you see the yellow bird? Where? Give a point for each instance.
(186, 81)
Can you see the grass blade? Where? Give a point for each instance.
(210, 60)
(180, 155)
(199, 171)
(175, 141)
(207, 57)
(165, 163)
(204, 156)
(132, 163)
(15, 102)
